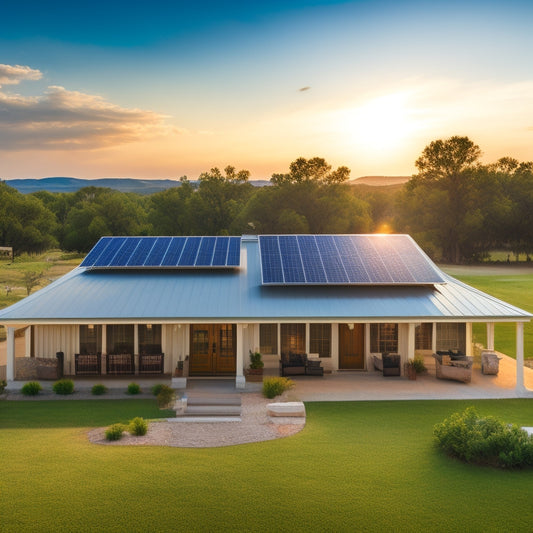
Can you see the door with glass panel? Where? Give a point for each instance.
(351, 346)
(213, 349)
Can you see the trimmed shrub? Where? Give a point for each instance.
(3, 385)
(418, 363)
(114, 432)
(32, 388)
(166, 396)
(98, 389)
(156, 389)
(487, 440)
(275, 386)
(138, 426)
(133, 388)
(63, 386)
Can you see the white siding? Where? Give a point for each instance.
(48, 340)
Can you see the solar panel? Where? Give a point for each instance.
(344, 260)
(164, 252)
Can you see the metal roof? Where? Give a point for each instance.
(238, 296)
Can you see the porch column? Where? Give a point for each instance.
(520, 387)
(240, 381)
(103, 366)
(10, 368)
(490, 336)
(434, 338)
(27, 342)
(136, 347)
(411, 338)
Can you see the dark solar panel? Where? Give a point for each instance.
(344, 260)
(164, 252)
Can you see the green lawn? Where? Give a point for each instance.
(517, 290)
(357, 466)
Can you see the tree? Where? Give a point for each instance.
(315, 169)
(31, 280)
(440, 201)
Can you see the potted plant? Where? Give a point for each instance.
(255, 370)
(410, 368)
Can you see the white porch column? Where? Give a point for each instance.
(10, 368)
(411, 337)
(136, 347)
(520, 387)
(27, 342)
(434, 338)
(240, 381)
(103, 367)
(490, 336)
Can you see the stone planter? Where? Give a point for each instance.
(254, 375)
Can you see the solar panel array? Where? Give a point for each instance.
(164, 252)
(344, 260)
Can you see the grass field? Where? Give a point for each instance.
(357, 466)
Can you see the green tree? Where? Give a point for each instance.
(315, 169)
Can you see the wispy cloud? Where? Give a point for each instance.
(63, 119)
(14, 74)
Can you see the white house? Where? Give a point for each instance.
(211, 300)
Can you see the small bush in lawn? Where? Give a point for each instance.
(166, 396)
(98, 389)
(134, 388)
(156, 389)
(32, 388)
(63, 386)
(487, 440)
(275, 386)
(114, 432)
(138, 426)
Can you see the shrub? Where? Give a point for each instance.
(138, 426)
(134, 388)
(32, 388)
(275, 386)
(255, 360)
(488, 440)
(3, 385)
(418, 363)
(63, 386)
(114, 432)
(166, 396)
(156, 389)
(99, 389)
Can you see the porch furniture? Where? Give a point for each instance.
(151, 364)
(120, 363)
(490, 362)
(453, 365)
(294, 364)
(87, 364)
(388, 363)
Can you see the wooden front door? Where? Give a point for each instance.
(213, 349)
(351, 347)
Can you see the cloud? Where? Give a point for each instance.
(63, 119)
(14, 74)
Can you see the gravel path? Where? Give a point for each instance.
(255, 426)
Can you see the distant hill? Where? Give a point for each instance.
(380, 181)
(150, 186)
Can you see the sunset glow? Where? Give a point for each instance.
(175, 91)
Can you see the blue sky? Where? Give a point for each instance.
(163, 89)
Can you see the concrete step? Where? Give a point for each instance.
(212, 410)
(217, 399)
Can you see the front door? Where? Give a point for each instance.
(213, 349)
(351, 347)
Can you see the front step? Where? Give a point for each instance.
(206, 405)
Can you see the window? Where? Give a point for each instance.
(120, 338)
(268, 339)
(384, 338)
(423, 336)
(228, 336)
(90, 339)
(292, 338)
(150, 339)
(451, 336)
(320, 339)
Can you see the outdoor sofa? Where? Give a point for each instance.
(294, 364)
(388, 363)
(454, 365)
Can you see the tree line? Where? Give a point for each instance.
(455, 207)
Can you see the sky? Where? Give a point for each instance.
(164, 89)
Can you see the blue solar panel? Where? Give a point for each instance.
(97, 250)
(164, 252)
(174, 251)
(271, 269)
(205, 253)
(159, 249)
(221, 251)
(344, 260)
(234, 252)
(111, 249)
(190, 251)
(291, 261)
(314, 270)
